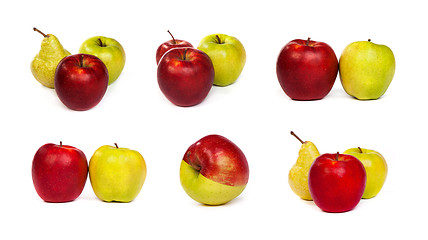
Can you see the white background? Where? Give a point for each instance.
(254, 113)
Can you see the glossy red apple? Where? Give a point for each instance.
(81, 81)
(166, 46)
(306, 69)
(59, 172)
(337, 182)
(185, 76)
(214, 170)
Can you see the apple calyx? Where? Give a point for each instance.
(173, 39)
(301, 141)
(100, 43)
(37, 30)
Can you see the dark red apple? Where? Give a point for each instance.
(214, 170)
(306, 69)
(59, 172)
(166, 46)
(337, 182)
(185, 76)
(81, 81)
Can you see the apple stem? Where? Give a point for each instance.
(361, 151)
(37, 30)
(369, 40)
(115, 144)
(173, 39)
(81, 60)
(307, 42)
(292, 133)
(100, 42)
(184, 55)
(337, 156)
(60, 143)
(218, 39)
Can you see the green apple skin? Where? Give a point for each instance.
(366, 69)
(204, 190)
(109, 51)
(376, 169)
(227, 55)
(117, 174)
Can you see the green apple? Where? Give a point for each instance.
(227, 55)
(376, 169)
(109, 51)
(214, 170)
(117, 174)
(366, 69)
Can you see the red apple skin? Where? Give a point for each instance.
(306, 69)
(59, 172)
(337, 182)
(218, 159)
(81, 81)
(166, 46)
(185, 76)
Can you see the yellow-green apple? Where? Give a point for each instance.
(166, 46)
(59, 172)
(109, 51)
(376, 169)
(366, 69)
(117, 174)
(306, 69)
(81, 81)
(337, 182)
(214, 170)
(185, 76)
(228, 56)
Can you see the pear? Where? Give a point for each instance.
(298, 175)
(44, 64)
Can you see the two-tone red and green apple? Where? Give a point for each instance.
(214, 170)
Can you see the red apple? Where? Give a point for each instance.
(337, 182)
(214, 170)
(59, 172)
(306, 69)
(185, 76)
(81, 81)
(174, 43)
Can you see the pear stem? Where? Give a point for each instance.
(173, 39)
(115, 144)
(37, 30)
(361, 151)
(307, 42)
(292, 133)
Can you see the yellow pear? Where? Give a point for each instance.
(298, 175)
(45, 62)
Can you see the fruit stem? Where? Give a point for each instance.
(292, 133)
(81, 60)
(369, 40)
(37, 30)
(218, 39)
(115, 144)
(173, 39)
(60, 143)
(100, 42)
(307, 42)
(361, 151)
(184, 55)
(337, 156)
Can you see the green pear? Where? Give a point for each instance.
(45, 62)
(366, 69)
(298, 175)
